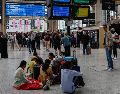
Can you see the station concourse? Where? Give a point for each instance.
(30, 26)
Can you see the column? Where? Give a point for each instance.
(3, 17)
(53, 25)
(98, 9)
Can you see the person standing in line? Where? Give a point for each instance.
(57, 43)
(29, 43)
(108, 47)
(37, 40)
(3, 45)
(115, 43)
(12, 41)
(33, 41)
(47, 41)
(66, 40)
(85, 41)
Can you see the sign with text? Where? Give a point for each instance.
(108, 4)
(25, 9)
(62, 1)
(81, 12)
(61, 11)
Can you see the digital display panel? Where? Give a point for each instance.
(0, 7)
(25, 9)
(82, 12)
(64, 1)
(61, 11)
(82, 1)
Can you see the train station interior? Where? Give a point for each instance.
(59, 46)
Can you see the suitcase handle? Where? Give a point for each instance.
(74, 54)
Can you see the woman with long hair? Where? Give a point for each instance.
(45, 72)
(21, 82)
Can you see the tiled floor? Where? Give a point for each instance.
(98, 81)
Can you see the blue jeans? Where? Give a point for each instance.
(84, 49)
(29, 46)
(109, 58)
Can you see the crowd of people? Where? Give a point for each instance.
(42, 74)
(50, 72)
(54, 40)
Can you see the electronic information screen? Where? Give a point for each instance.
(61, 11)
(82, 1)
(65, 1)
(25, 9)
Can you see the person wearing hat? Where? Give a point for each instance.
(31, 64)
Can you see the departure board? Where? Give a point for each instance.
(82, 1)
(61, 11)
(24, 9)
(82, 12)
(64, 1)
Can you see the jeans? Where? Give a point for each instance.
(84, 49)
(115, 50)
(38, 45)
(29, 46)
(109, 57)
(67, 50)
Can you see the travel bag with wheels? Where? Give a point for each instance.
(73, 58)
(88, 50)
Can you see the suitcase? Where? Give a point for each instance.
(73, 58)
(36, 71)
(88, 50)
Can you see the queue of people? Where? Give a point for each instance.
(54, 40)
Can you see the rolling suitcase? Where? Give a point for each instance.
(88, 50)
(73, 58)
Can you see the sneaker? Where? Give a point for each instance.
(115, 58)
(107, 68)
(110, 69)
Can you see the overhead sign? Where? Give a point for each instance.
(62, 11)
(62, 1)
(108, 4)
(82, 1)
(0, 8)
(13, 9)
(81, 12)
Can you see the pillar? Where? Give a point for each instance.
(53, 25)
(98, 9)
(3, 17)
(101, 37)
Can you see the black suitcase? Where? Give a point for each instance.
(36, 71)
(88, 50)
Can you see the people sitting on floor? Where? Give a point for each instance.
(51, 57)
(56, 66)
(22, 82)
(68, 80)
(46, 74)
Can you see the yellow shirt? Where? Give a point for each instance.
(31, 65)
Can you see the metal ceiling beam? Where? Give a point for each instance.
(40, 2)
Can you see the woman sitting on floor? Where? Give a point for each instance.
(45, 73)
(22, 82)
